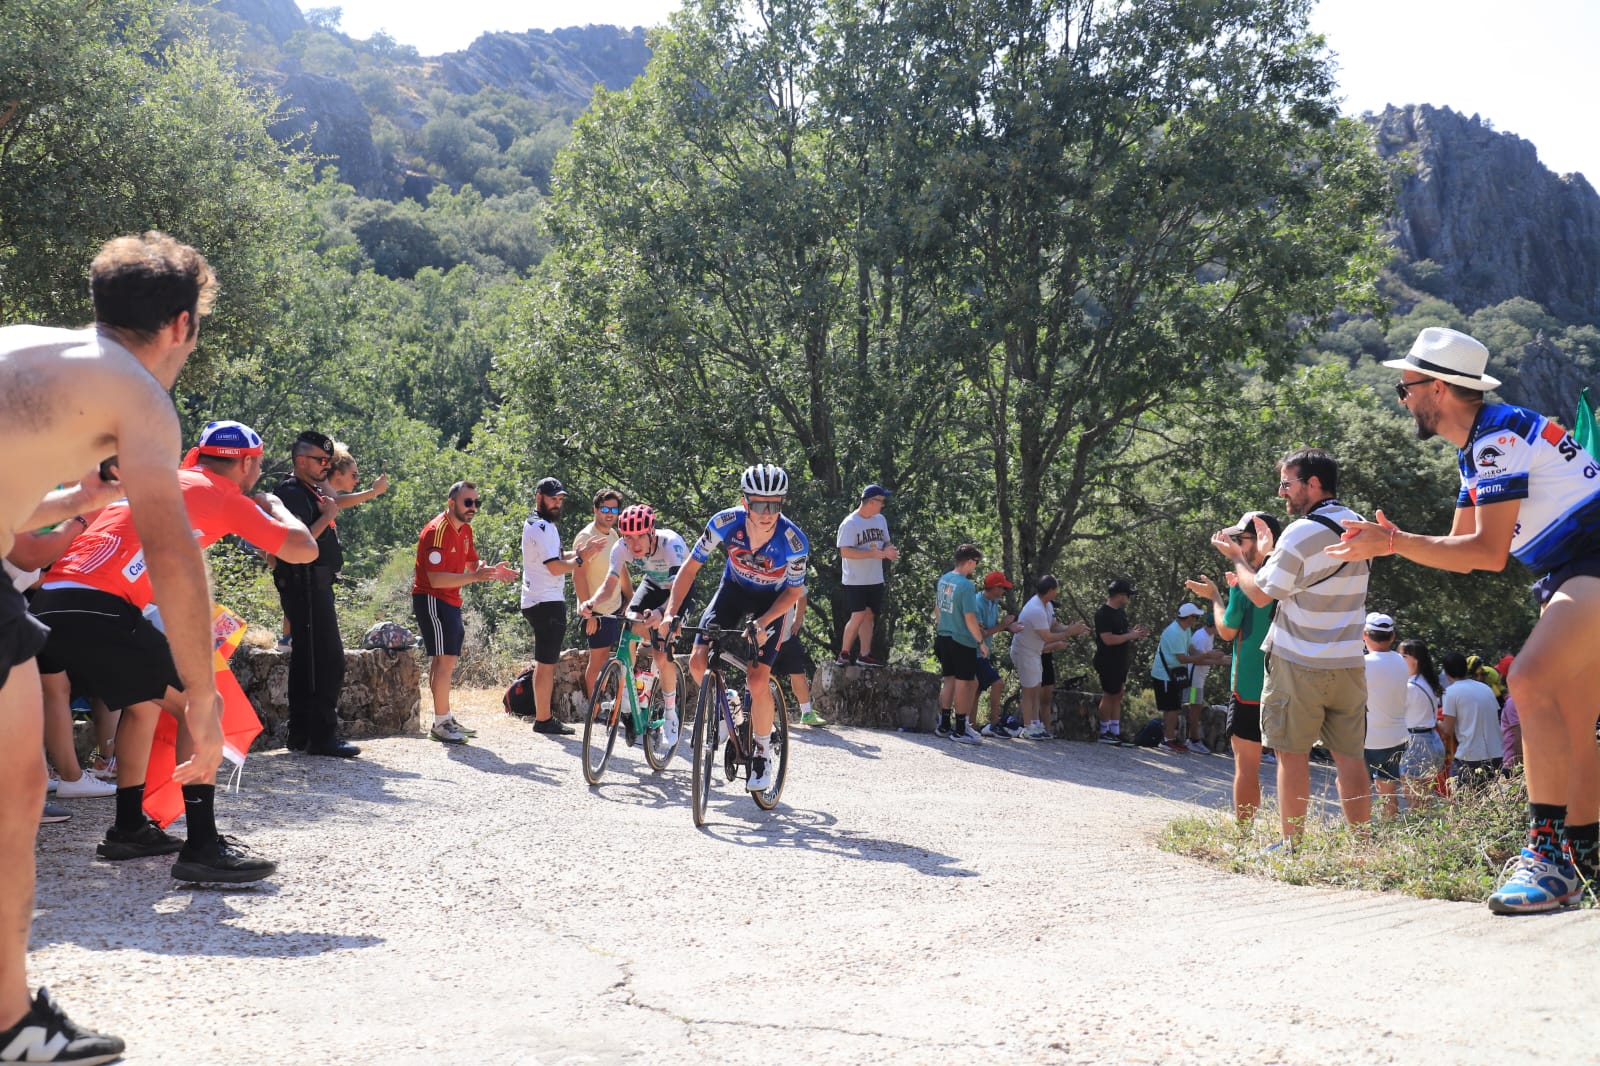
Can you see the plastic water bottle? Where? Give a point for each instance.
(642, 683)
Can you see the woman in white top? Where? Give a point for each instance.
(1424, 755)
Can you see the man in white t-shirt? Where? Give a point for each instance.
(1472, 718)
(1202, 646)
(863, 548)
(1033, 648)
(1387, 679)
(544, 594)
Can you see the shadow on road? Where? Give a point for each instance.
(487, 761)
(162, 917)
(824, 738)
(791, 827)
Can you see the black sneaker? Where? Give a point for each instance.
(554, 727)
(867, 660)
(224, 859)
(148, 839)
(46, 1034)
(943, 729)
(844, 659)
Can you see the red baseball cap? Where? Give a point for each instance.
(994, 579)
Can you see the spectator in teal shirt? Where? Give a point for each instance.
(956, 645)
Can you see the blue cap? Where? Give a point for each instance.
(229, 438)
(872, 492)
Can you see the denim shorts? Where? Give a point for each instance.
(1424, 755)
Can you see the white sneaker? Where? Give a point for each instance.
(448, 731)
(1035, 731)
(85, 787)
(669, 730)
(760, 773)
(968, 736)
(1199, 747)
(108, 772)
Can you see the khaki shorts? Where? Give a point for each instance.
(1303, 703)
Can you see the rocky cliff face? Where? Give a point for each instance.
(566, 63)
(1481, 205)
(279, 18)
(339, 126)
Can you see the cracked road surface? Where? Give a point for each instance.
(909, 901)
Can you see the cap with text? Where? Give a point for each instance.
(549, 487)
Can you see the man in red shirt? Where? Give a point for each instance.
(95, 601)
(447, 560)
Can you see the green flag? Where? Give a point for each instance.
(1584, 430)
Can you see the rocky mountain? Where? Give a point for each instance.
(1496, 221)
(566, 63)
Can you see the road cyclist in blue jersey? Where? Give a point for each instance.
(763, 578)
(658, 553)
(1528, 490)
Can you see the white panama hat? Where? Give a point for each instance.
(1449, 355)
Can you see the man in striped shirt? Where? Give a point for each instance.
(1316, 684)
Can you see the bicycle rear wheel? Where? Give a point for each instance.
(777, 748)
(607, 705)
(705, 746)
(657, 752)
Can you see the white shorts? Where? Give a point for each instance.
(1030, 668)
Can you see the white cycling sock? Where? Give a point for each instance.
(763, 744)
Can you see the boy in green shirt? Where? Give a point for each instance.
(956, 645)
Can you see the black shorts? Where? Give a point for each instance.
(956, 659)
(1383, 764)
(607, 628)
(1244, 719)
(439, 623)
(987, 674)
(1113, 676)
(729, 607)
(792, 658)
(549, 622)
(106, 646)
(650, 596)
(22, 636)
(1169, 694)
(863, 598)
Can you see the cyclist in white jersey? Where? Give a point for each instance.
(657, 553)
(1527, 490)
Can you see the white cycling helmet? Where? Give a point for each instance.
(764, 479)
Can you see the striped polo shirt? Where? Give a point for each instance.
(1321, 607)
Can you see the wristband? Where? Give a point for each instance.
(1392, 532)
(82, 521)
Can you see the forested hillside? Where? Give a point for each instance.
(1068, 300)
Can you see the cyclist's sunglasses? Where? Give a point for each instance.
(765, 506)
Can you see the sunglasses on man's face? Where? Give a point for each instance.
(1240, 538)
(608, 510)
(766, 506)
(470, 502)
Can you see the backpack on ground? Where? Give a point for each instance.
(390, 636)
(1150, 734)
(519, 697)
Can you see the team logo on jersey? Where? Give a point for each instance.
(1489, 460)
(436, 557)
(795, 542)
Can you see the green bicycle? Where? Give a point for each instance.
(633, 702)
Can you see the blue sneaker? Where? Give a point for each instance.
(1536, 885)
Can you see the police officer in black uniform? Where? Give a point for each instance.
(316, 654)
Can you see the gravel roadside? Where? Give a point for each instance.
(909, 901)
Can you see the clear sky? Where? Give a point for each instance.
(1529, 68)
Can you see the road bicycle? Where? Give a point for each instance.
(722, 720)
(633, 702)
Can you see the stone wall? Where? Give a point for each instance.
(567, 699)
(382, 693)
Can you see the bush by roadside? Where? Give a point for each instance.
(1453, 850)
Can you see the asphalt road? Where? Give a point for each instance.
(908, 901)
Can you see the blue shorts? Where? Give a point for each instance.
(1583, 566)
(732, 604)
(607, 630)
(987, 674)
(1383, 764)
(439, 623)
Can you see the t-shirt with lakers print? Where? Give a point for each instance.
(444, 549)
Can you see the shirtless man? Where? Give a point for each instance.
(68, 399)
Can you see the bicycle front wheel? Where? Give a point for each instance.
(777, 749)
(657, 752)
(607, 705)
(706, 717)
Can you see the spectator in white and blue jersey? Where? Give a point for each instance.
(1316, 687)
(1528, 490)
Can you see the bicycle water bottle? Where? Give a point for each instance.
(642, 683)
